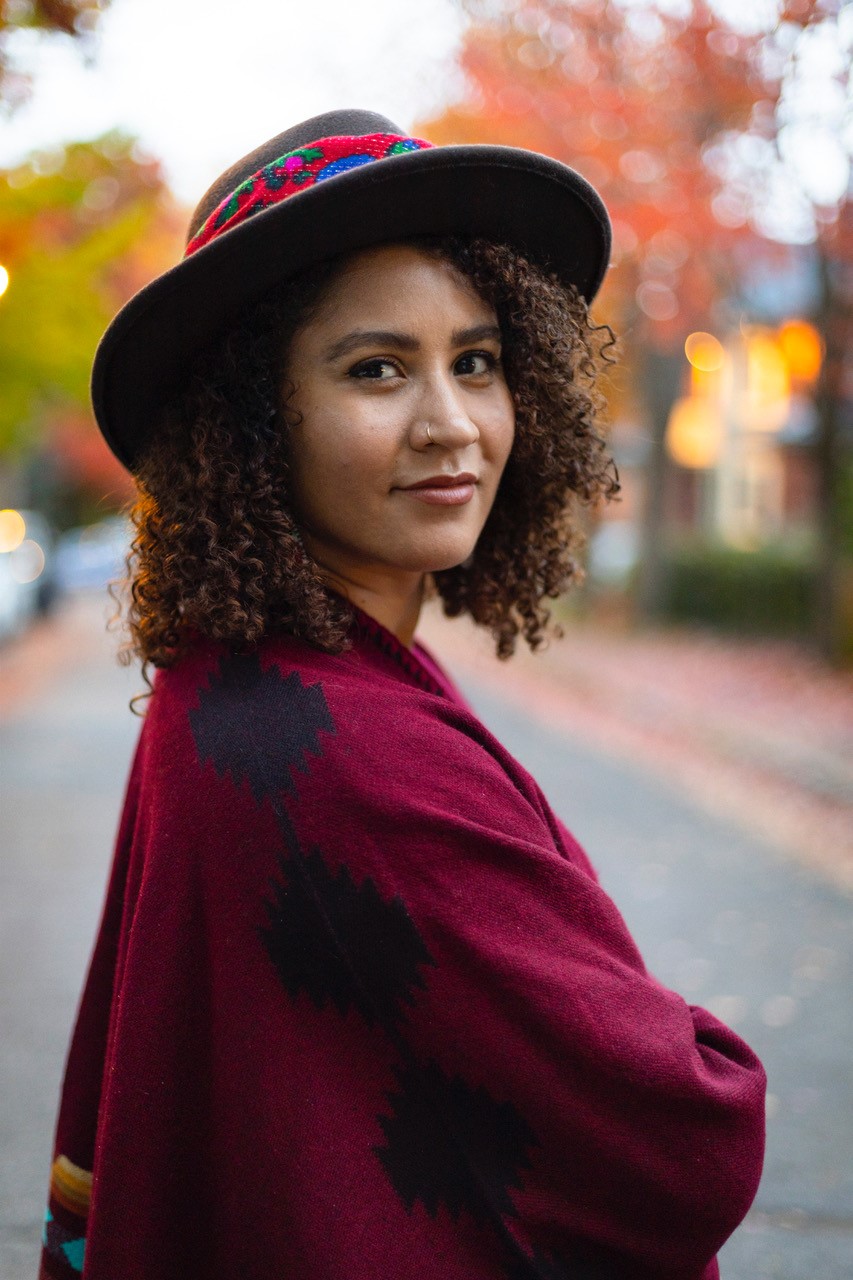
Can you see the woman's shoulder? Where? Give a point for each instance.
(238, 668)
(372, 711)
(283, 682)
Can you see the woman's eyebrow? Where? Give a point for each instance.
(479, 333)
(404, 341)
(370, 338)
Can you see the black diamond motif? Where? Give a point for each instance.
(55, 1236)
(259, 725)
(443, 1127)
(311, 909)
(540, 1267)
(548, 1266)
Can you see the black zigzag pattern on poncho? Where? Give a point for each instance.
(377, 940)
(548, 1266)
(258, 725)
(424, 1163)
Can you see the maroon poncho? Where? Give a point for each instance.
(359, 1010)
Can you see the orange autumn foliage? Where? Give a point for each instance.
(636, 100)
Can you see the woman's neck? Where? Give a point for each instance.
(393, 600)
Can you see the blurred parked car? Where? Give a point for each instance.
(29, 586)
(614, 550)
(91, 555)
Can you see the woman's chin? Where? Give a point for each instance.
(443, 566)
(438, 553)
(441, 559)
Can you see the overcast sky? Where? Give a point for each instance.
(201, 82)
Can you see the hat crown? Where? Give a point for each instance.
(329, 124)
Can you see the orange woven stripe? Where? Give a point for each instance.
(71, 1186)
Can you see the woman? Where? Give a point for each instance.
(358, 1007)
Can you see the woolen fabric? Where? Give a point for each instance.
(359, 1009)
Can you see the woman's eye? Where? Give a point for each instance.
(476, 362)
(372, 369)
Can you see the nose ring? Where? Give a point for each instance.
(429, 434)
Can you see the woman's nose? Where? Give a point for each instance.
(442, 418)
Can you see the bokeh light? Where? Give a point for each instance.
(768, 385)
(694, 432)
(705, 352)
(27, 561)
(802, 347)
(12, 529)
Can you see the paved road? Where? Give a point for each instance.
(717, 916)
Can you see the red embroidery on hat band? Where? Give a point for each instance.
(290, 173)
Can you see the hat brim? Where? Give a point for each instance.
(505, 194)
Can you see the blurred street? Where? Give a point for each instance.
(756, 730)
(705, 780)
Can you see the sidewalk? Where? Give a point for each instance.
(755, 730)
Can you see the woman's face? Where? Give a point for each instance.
(400, 343)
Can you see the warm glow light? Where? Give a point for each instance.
(705, 352)
(12, 529)
(709, 383)
(4, 281)
(768, 386)
(694, 432)
(802, 348)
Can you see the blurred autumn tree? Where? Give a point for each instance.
(81, 229)
(73, 18)
(676, 116)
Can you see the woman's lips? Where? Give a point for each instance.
(444, 491)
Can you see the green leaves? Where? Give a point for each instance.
(77, 233)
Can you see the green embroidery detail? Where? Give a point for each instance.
(229, 210)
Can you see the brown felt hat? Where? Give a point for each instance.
(341, 181)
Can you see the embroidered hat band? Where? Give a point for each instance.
(301, 168)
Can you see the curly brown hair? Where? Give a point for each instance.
(216, 551)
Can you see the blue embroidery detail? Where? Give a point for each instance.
(345, 162)
(74, 1250)
(59, 1241)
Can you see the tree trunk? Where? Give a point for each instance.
(660, 385)
(834, 322)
